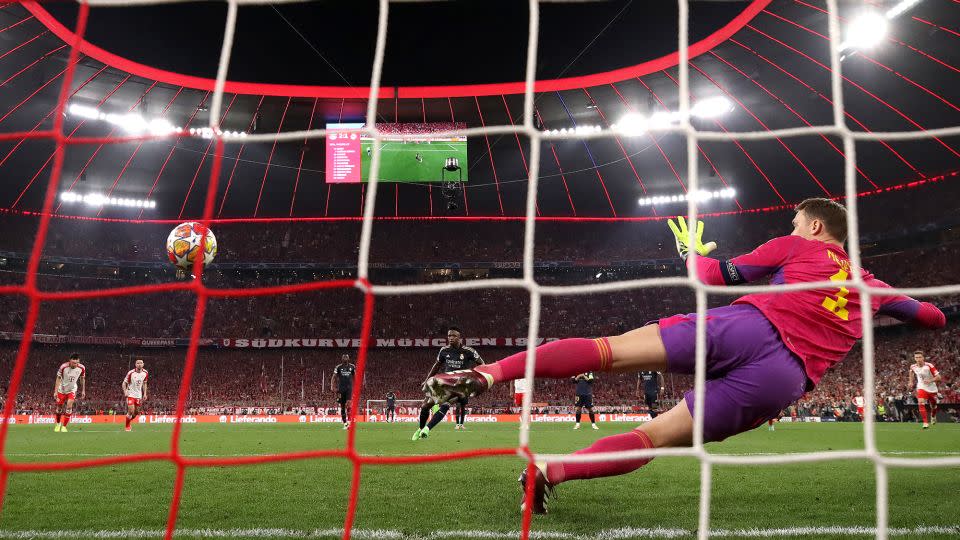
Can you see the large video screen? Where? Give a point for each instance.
(440, 159)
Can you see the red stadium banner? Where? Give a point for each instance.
(276, 343)
(385, 343)
(79, 419)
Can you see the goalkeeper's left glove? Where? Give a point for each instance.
(682, 236)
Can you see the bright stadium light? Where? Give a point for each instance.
(702, 195)
(98, 199)
(632, 124)
(136, 124)
(711, 107)
(901, 8)
(663, 119)
(84, 111)
(866, 31)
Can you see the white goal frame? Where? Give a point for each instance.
(707, 460)
(379, 405)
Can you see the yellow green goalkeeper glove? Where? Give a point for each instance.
(682, 236)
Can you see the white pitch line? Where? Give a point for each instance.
(94, 455)
(625, 533)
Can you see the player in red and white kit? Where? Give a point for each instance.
(135, 390)
(858, 401)
(69, 375)
(519, 389)
(927, 379)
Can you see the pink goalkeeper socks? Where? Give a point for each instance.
(557, 359)
(635, 440)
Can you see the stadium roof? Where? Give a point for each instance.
(768, 59)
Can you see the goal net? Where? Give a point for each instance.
(407, 410)
(526, 127)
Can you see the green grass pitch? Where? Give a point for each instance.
(398, 161)
(473, 498)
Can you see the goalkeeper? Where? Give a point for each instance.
(763, 351)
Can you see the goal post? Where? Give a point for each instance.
(406, 409)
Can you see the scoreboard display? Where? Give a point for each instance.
(402, 159)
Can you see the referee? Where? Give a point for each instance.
(584, 382)
(652, 386)
(454, 357)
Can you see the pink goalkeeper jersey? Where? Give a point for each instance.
(820, 325)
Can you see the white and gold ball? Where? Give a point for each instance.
(183, 244)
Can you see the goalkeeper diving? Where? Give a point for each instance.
(764, 351)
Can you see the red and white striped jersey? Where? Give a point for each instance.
(69, 377)
(925, 376)
(135, 381)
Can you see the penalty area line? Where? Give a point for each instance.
(624, 533)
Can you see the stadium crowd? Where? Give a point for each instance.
(337, 313)
(418, 128)
(244, 380)
(910, 256)
(458, 241)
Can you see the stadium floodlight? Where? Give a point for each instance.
(663, 119)
(866, 31)
(136, 124)
(632, 124)
(711, 107)
(83, 111)
(901, 8)
(702, 195)
(98, 199)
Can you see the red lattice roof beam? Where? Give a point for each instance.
(16, 24)
(137, 149)
(263, 182)
(236, 160)
(48, 115)
(516, 136)
(764, 126)
(858, 87)
(619, 143)
(792, 110)
(654, 139)
(206, 152)
(563, 176)
(493, 167)
(829, 102)
(31, 64)
(296, 182)
(699, 147)
(867, 57)
(100, 146)
(738, 145)
(466, 207)
(24, 44)
(50, 158)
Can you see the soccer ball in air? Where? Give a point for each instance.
(183, 244)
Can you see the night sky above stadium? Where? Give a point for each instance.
(332, 43)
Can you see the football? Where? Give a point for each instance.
(183, 244)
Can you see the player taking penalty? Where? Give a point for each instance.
(763, 351)
(69, 375)
(135, 390)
